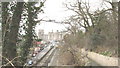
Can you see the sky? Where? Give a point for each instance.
(55, 10)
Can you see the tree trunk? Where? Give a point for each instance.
(118, 28)
(4, 17)
(29, 35)
(10, 38)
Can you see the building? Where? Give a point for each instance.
(41, 34)
(55, 35)
(51, 35)
(45, 37)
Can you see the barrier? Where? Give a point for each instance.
(100, 59)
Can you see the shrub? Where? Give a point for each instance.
(97, 39)
(106, 53)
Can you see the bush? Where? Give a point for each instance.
(97, 39)
(106, 53)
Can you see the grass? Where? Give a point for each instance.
(106, 53)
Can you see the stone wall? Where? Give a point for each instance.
(100, 59)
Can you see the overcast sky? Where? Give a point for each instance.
(55, 10)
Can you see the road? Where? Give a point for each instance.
(40, 54)
(47, 58)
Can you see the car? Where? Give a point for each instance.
(34, 54)
(36, 51)
(41, 48)
(30, 62)
(52, 46)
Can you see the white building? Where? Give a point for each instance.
(51, 35)
(41, 34)
(55, 35)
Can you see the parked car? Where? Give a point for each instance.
(36, 51)
(34, 54)
(30, 62)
